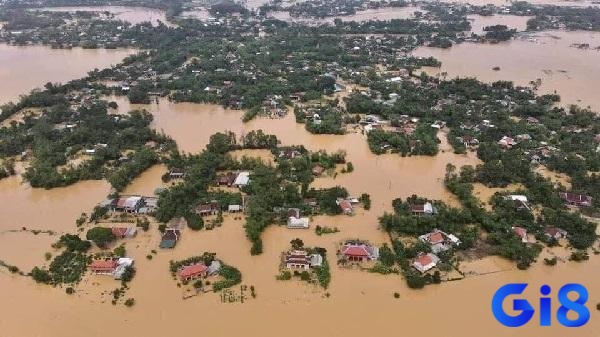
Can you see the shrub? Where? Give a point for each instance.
(101, 236)
(284, 276)
(130, 302)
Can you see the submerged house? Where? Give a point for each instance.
(359, 252)
(112, 267)
(170, 238)
(423, 209)
(345, 206)
(555, 233)
(425, 262)
(295, 221)
(300, 259)
(123, 232)
(211, 208)
(439, 241)
(192, 272)
(578, 200)
(521, 233)
(127, 204)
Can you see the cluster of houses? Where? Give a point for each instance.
(112, 267)
(439, 242)
(131, 204)
(301, 259)
(550, 232)
(273, 106)
(198, 271)
(541, 153)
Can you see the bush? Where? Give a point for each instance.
(194, 221)
(130, 302)
(415, 281)
(13, 269)
(128, 274)
(396, 295)
(198, 284)
(551, 262)
(73, 243)
(284, 276)
(580, 255)
(70, 291)
(120, 251)
(40, 275)
(101, 236)
(305, 276)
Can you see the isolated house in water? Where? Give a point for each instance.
(169, 238)
(359, 252)
(192, 272)
(425, 262)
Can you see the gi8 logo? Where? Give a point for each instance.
(527, 311)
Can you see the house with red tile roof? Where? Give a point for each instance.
(317, 170)
(425, 262)
(520, 232)
(345, 205)
(192, 272)
(124, 232)
(103, 267)
(439, 241)
(359, 251)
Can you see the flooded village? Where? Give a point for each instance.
(259, 181)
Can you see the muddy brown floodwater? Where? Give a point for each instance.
(133, 15)
(550, 56)
(55, 65)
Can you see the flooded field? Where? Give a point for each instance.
(550, 56)
(133, 15)
(55, 65)
(479, 22)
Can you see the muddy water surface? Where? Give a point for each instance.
(33, 66)
(550, 56)
(133, 15)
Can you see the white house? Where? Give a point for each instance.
(297, 223)
(242, 179)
